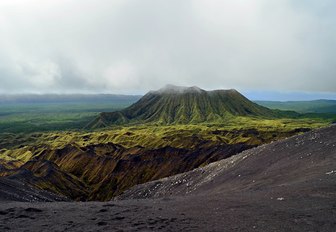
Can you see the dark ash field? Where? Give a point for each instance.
(289, 185)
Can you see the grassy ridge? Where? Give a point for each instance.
(155, 136)
(97, 165)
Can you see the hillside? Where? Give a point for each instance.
(11, 189)
(101, 171)
(316, 106)
(183, 105)
(102, 164)
(287, 185)
(284, 168)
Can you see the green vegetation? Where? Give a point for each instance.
(192, 106)
(156, 136)
(50, 146)
(316, 106)
(33, 117)
(178, 105)
(53, 112)
(98, 165)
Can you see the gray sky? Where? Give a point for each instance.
(132, 46)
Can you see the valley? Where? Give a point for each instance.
(288, 185)
(104, 164)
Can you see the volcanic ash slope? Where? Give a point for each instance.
(288, 185)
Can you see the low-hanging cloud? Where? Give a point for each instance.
(130, 46)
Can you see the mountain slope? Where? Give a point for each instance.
(12, 189)
(48, 176)
(283, 186)
(102, 171)
(303, 165)
(287, 185)
(183, 105)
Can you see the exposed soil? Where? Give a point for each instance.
(288, 185)
(15, 190)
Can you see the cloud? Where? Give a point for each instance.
(130, 46)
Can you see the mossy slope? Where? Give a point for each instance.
(100, 165)
(182, 105)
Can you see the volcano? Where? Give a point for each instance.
(184, 105)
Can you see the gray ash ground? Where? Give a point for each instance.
(15, 190)
(288, 185)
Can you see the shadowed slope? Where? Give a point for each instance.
(100, 172)
(12, 189)
(47, 176)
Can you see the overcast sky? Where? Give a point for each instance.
(132, 46)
